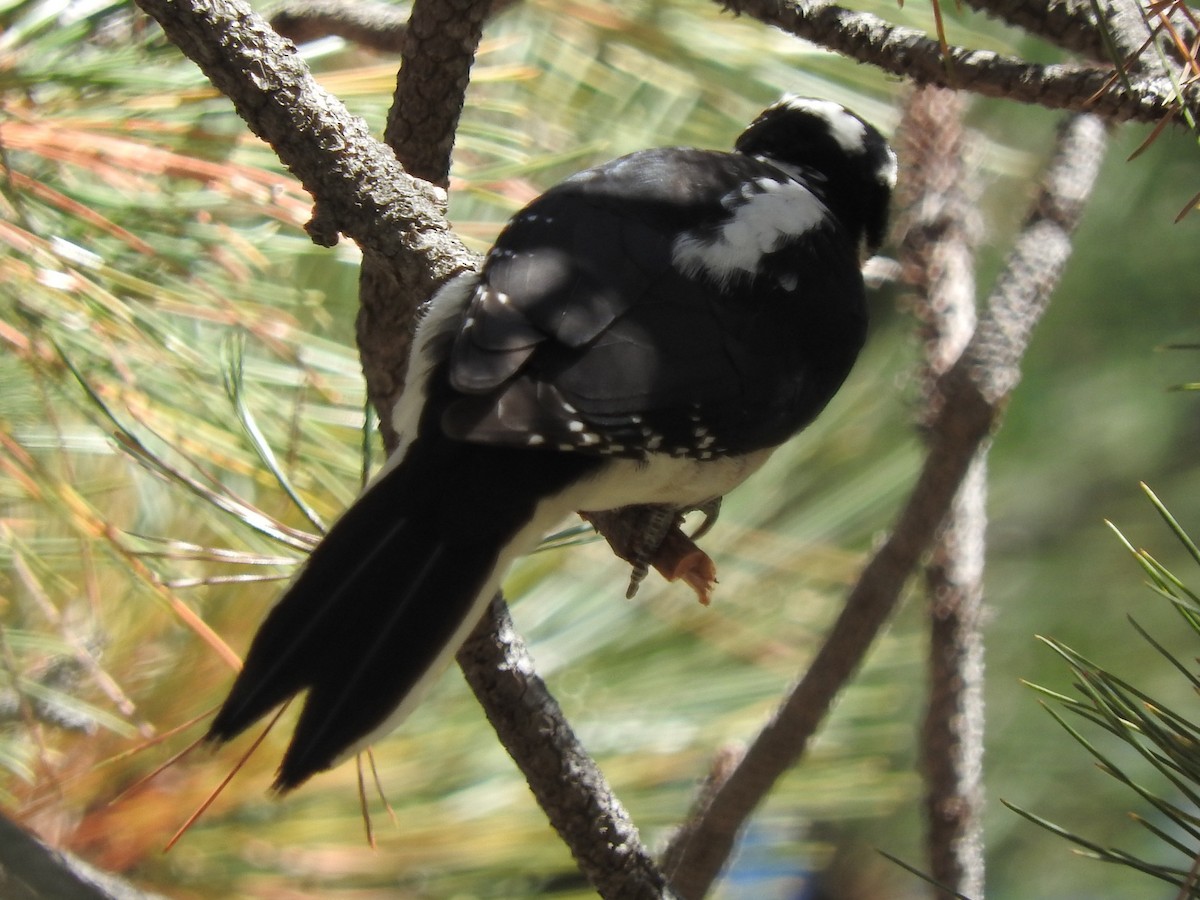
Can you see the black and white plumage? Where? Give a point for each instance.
(646, 332)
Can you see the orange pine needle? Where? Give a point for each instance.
(363, 806)
(379, 788)
(159, 738)
(1180, 44)
(155, 772)
(211, 798)
(940, 26)
(1191, 205)
(1152, 137)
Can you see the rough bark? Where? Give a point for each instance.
(910, 54)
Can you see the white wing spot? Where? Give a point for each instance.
(535, 440)
(776, 212)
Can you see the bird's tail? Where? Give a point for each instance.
(392, 590)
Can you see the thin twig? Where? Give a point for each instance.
(570, 788)
(937, 258)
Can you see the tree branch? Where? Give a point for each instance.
(570, 788)
(940, 230)
(358, 186)
(30, 870)
(1123, 36)
(376, 26)
(441, 39)
(910, 53)
(974, 393)
(1069, 24)
(952, 735)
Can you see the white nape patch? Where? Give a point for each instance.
(757, 225)
(441, 315)
(845, 128)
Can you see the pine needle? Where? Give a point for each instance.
(237, 767)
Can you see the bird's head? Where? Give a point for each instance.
(834, 150)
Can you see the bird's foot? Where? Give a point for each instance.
(650, 535)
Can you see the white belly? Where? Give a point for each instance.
(663, 479)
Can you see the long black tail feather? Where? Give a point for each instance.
(386, 591)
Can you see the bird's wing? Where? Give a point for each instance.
(686, 302)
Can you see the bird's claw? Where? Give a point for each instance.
(711, 510)
(651, 528)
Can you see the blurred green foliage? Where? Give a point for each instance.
(153, 252)
(1106, 711)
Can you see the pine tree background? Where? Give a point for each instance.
(181, 408)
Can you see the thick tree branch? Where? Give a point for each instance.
(439, 49)
(358, 186)
(974, 393)
(1123, 36)
(431, 86)
(910, 53)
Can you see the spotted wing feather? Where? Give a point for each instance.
(640, 307)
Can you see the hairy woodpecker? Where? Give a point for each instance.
(646, 332)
